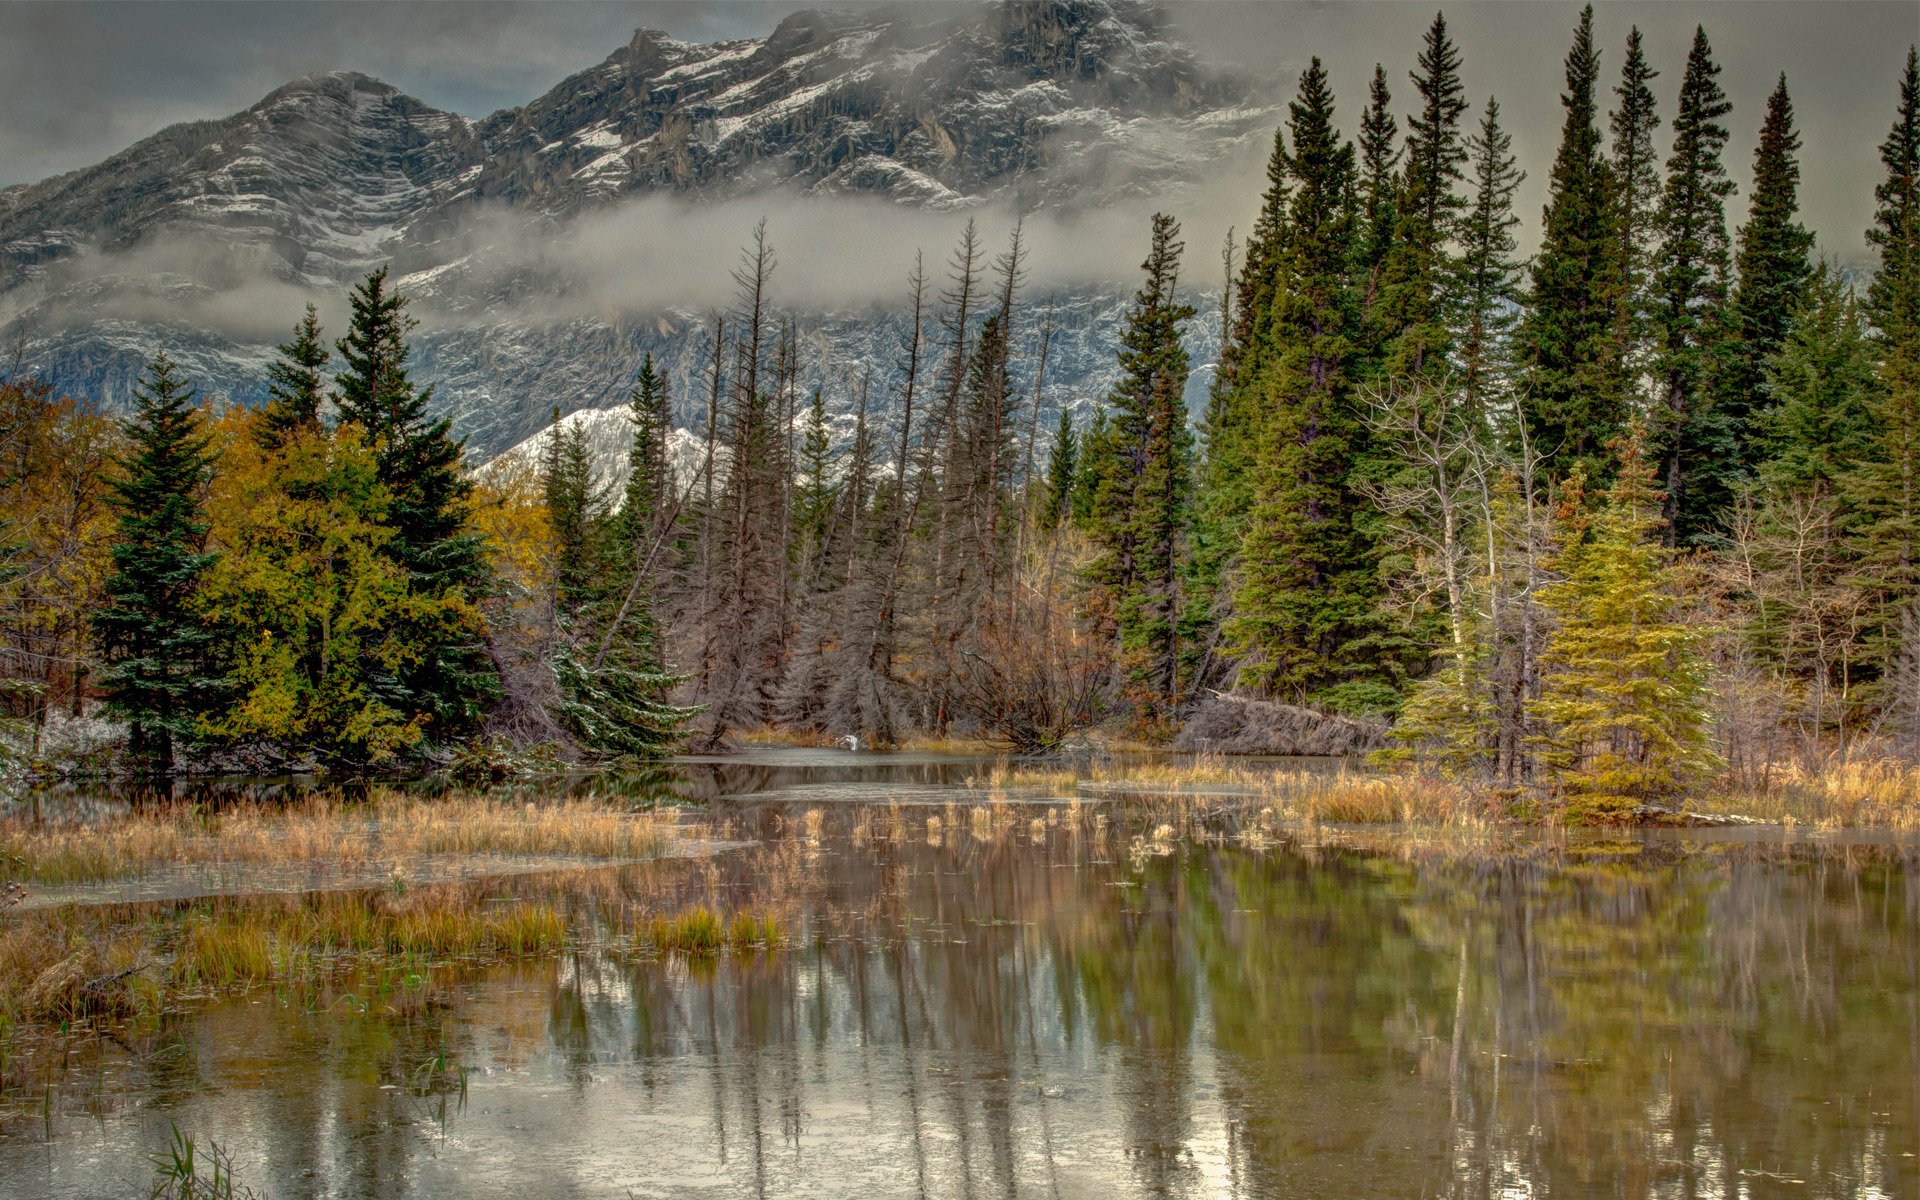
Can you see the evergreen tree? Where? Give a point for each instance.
(1489, 269)
(450, 677)
(649, 477)
(1884, 491)
(296, 383)
(1140, 516)
(1773, 265)
(1821, 384)
(1063, 467)
(813, 506)
(159, 674)
(1303, 610)
(1699, 443)
(1417, 279)
(1575, 398)
(1379, 186)
(1636, 173)
(566, 483)
(1623, 685)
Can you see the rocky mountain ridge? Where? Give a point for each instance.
(207, 237)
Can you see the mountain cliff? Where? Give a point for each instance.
(207, 237)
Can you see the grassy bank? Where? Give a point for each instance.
(1878, 793)
(386, 826)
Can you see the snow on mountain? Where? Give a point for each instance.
(208, 237)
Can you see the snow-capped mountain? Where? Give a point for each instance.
(206, 238)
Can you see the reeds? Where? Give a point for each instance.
(1845, 792)
(700, 933)
(388, 825)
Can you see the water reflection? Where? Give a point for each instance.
(1040, 1013)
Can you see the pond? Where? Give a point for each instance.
(1023, 1004)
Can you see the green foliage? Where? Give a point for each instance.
(311, 608)
(296, 383)
(1622, 706)
(618, 707)
(1575, 402)
(1304, 606)
(1636, 174)
(1489, 269)
(1063, 467)
(1140, 513)
(1821, 384)
(449, 679)
(1698, 443)
(160, 675)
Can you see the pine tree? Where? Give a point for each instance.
(1379, 187)
(566, 484)
(1773, 265)
(1636, 173)
(159, 676)
(449, 677)
(649, 477)
(1885, 488)
(1698, 442)
(814, 504)
(1140, 517)
(1623, 686)
(1489, 270)
(1417, 278)
(1303, 609)
(1575, 398)
(296, 382)
(1063, 466)
(1821, 387)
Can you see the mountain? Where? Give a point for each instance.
(208, 237)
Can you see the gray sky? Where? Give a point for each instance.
(80, 80)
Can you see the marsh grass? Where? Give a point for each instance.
(1882, 792)
(325, 828)
(700, 933)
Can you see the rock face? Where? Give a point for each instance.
(207, 237)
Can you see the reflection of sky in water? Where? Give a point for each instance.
(1666, 1017)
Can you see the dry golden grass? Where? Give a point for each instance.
(1338, 795)
(388, 825)
(1882, 792)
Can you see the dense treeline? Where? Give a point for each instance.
(1601, 520)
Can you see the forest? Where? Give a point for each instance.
(1635, 515)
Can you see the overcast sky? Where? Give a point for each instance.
(79, 80)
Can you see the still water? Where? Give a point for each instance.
(1022, 1010)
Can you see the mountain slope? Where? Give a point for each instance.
(206, 238)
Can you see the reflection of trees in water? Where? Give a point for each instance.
(1605, 1019)
(1622, 1019)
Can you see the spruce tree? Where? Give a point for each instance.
(449, 677)
(1575, 397)
(1417, 279)
(1773, 266)
(1698, 443)
(296, 383)
(1622, 706)
(1063, 467)
(649, 477)
(566, 484)
(1303, 611)
(1378, 187)
(1489, 270)
(1140, 517)
(159, 676)
(1821, 387)
(1636, 173)
(1884, 491)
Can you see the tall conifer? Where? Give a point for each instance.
(159, 676)
(1697, 442)
(1575, 397)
